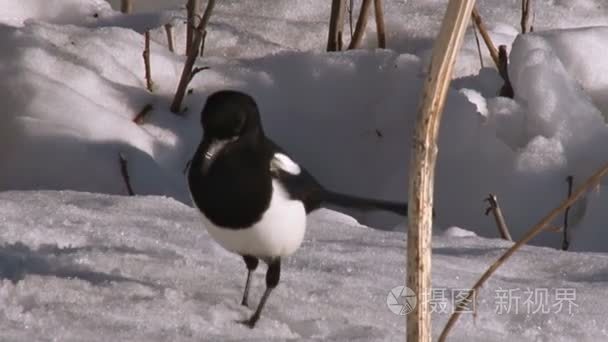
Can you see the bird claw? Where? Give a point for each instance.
(249, 322)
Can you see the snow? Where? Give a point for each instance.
(73, 81)
(80, 266)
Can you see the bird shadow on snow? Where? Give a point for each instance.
(19, 260)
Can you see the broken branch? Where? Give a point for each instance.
(139, 118)
(494, 208)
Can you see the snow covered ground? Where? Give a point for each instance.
(93, 267)
(132, 268)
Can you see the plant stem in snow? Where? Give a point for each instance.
(192, 9)
(169, 31)
(126, 6)
(361, 25)
(566, 239)
(478, 45)
(380, 28)
(503, 70)
(525, 16)
(351, 5)
(125, 173)
(139, 118)
(146, 55)
(203, 43)
(486, 36)
(494, 208)
(422, 165)
(189, 64)
(336, 24)
(591, 182)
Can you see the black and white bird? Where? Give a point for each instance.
(253, 197)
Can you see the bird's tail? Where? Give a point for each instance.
(343, 200)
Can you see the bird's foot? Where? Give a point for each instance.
(251, 321)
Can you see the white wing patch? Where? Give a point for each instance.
(282, 162)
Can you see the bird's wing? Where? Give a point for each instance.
(300, 184)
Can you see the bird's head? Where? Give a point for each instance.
(229, 114)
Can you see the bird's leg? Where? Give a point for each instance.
(272, 279)
(252, 264)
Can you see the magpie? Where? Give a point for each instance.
(253, 196)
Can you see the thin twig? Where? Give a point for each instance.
(125, 173)
(494, 208)
(169, 31)
(196, 71)
(146, 55)
(139, 118)
(380, 28)
(566, 238)
(503, 70)
(478, 44)
(485, 35)
(189, 64)
(361, 25)
(591, 182)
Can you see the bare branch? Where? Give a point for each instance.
(192, 9)
(125, 173)
(169, 31)
(591, 182)
(486, 36)
(189, 64)
(525, 16)
(380, 28)
(203, 43)
(349, 9)
(361, 25)
(146, 55)
(336, 24)
(494, 208)
(503, 70)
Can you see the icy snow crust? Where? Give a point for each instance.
(93, 267)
